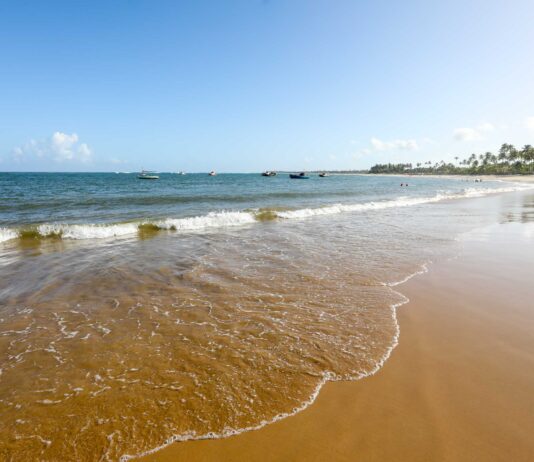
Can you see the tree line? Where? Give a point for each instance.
(508, 161)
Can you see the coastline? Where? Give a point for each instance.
(456, 387)
(507, 178)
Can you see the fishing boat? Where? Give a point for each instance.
(147, 175)
(268, 173)
(300, 176)
(212, 173)
(181, 173)
(323, 174)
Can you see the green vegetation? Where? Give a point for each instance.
(509, 161)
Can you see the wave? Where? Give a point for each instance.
(103, 231)
(89, 231)
(399, 202)
(226, 219)
(211, 220)
(325, 378)
(7, 234)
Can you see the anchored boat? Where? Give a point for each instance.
(300, 176)
(147, 175)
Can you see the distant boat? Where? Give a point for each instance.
(181, 173)
(268, 173)
(212, 173)
(300, 176)
(147, 175)
(323, 174)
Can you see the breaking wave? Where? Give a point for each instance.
(227, 219)
(7, 234)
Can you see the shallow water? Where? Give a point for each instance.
(110, 346)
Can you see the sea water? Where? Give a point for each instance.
(134, 313)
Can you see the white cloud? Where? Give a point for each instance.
(60, 147)
(472, 134)
(529, 123)
(379, 145)
(466, 134)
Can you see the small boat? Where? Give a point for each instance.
(148, 175)
(300, 176)
(212, 173)
(323, 174)
(181, 173)
(268, 173)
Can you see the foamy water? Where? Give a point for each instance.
(221, 322)
(223, 219)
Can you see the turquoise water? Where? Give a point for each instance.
(57, 200)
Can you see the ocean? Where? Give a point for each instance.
(135, 313)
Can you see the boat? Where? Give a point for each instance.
(268, 173)
(147, 175)
(181, 173)
(300, 176)
(212, 173)
(323, 174)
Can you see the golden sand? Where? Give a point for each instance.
(459, 387)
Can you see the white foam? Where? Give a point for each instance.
(88, 231)
(479, 192)
(327, 377)
(399, 202)
(423, 270)
(365, 206)
(211, 220)
(240, 218)
(7, 234)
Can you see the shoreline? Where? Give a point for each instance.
(504, 178)
(231, 218)
(147, 455)
(306, 436)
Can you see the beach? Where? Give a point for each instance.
(251, 314)
(266, 231)
(458, 387)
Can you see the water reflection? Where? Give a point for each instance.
(519, 208)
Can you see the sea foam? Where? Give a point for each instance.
(211, 220)
(89, 231)
(224, 219)
(7, 234)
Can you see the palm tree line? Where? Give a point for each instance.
(508, 161)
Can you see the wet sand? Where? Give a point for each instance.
(459, 387)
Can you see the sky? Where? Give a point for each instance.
(250, 85)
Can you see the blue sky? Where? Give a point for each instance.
(248, 85)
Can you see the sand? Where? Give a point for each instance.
(459, 387)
